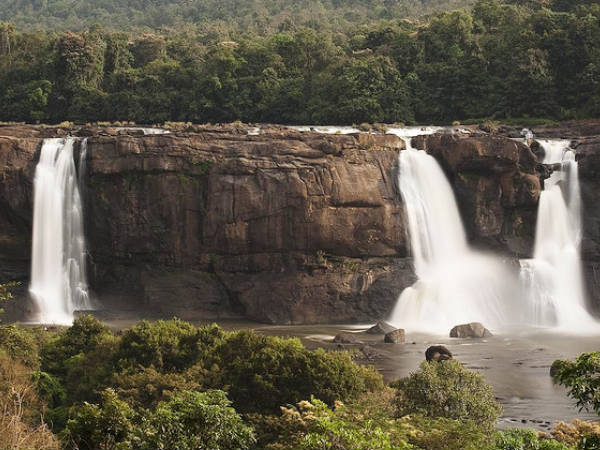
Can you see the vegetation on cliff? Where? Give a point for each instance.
(497, 60)
(168, 384)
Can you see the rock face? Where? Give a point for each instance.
(470, 330)
(497, 186)
(281, 227)
(285, 227)
(437, 353)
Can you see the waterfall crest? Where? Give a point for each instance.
(58, 273)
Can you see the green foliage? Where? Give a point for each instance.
(262, 373)
(190, 420)
(332, 62)
(581, 377)
(524, 439)
(105, 427)
(447, 389)
(193, 420)
(21, 344)
(446, 434)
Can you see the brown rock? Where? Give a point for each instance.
(438, 353)
(381, 327)
(346, 338)
(470, 330)
(394, 337)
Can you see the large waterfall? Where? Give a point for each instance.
(553, 279)
(455, 283)
(58, 273)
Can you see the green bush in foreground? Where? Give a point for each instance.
(190, 420)
(582, 379)
(447, 389)
(523, 439)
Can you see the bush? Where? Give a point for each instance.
(446, 434)
(582, 379)
(581, 435)
(262, 373)
(447, 389)
(171, 345)
(190, 420)
(194, 420)
(21, 409)
(105, 427)
(523, 439)
(313, 425)
(21, 344)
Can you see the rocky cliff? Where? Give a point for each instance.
(281, 227)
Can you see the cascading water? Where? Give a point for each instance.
(58, 272)
(553, 279)
(455, 283)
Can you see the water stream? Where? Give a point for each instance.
(58, 273)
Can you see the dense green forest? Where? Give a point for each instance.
(497, 60)
(260, 16)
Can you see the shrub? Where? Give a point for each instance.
(313, 425)
(582, 379)
(20, 344)
(20, 409)
(105, 427)
(447, 389)
(194, 420)
(171, 345)
(581, 435)
(446, 434)
(523, 439)
(265, 372)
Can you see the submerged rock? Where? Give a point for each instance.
(394, 337)
(346, 338)
(437, 353)
(470, 330)
(381, 327)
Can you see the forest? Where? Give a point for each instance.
(496, 60)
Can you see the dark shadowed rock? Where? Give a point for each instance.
(438, 353)
(346, 338)
(394, 337)
(470, 330)
(381, 327)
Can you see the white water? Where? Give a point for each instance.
(58, 274)
(455, 284)
(553, 279)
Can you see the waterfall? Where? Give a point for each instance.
(58, 273)
(455, 283)
(553, 279)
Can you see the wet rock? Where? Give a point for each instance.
(437, 353)
(346, 338)
(381, 327)
(394, 337)
(470, 330)
(368, 353)
(554, 368)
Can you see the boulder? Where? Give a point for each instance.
(346, 338)
(394, 337)
(437, 353)
(470, 330)
(381, 327)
